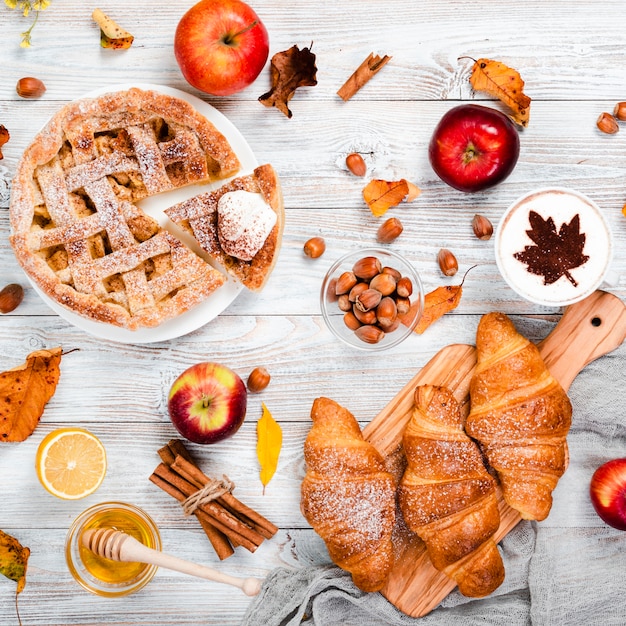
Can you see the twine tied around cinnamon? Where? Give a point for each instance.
(212, 490)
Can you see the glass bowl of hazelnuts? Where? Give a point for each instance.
(372, 299)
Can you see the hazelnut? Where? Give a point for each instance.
(607, 123)
(403, 305)
(447, 262)
(393, 271)
(351, 321)
(356, 164)
(356, 290)
(11, 297)
(369, 333)
(404, 287)
(258, 380)
(29, 87)
(384, 283)
(620, 111)
(365, 317)
(343, 302)
(482, 227)
(368, 300)
(315, 247)
(367, 267)
(386, 313)
(345, 282)
(389, 230)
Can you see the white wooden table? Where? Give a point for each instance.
(572, 56)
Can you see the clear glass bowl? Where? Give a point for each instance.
(102, 576)
(334, 316)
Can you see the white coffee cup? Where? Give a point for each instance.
(534, 261)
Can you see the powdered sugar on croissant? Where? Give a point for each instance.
(446, 495)
(348, 497)
(520, 414)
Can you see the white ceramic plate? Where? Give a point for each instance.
(155, 206)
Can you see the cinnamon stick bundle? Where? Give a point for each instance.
(226, 521)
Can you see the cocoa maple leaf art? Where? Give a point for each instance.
(289, 70)
(554, 253)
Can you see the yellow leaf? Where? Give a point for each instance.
(24, 392)
(13, 560)
(437, 303)
(381, 195)
(504, 83)
(269, 444)
(111, 35)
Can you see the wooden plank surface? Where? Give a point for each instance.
(572, 57)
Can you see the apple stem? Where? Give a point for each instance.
(206, 401)
(229, 39)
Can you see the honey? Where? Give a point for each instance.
(101, 575)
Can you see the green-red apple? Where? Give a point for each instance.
(207, 403)
(221, 46)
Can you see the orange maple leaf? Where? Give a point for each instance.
(504, 83)
(381, 195)
(25, 391)
(436, 304)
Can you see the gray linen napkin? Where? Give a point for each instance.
(566, 571)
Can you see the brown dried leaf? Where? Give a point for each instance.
(504, 83)
(25, 391)
(289, 70)
(4, 137)
(381, 195)
(111, 34)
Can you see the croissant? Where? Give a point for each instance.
(446, 495)
(347, 495)
(520, 415)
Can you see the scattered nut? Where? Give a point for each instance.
(11, 297)
(607, 123)
(369, 333)
(389, 230)
(258, 380)
(315, 247)
(483, 228)
(620, 111)
(447, 262)
(356, 164)
(29, 87)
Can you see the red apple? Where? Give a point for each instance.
(221, 46)
(608, 493)
(207, 403)
(474, 147)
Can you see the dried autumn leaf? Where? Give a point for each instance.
(381, 195)
(25, 391)
(289, 70)
(504, 83)
(269, 444)
(13, 560)
(111, 35)
(4, 137)
(553, 254)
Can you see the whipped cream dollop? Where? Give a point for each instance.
(244, 222)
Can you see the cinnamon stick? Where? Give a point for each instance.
(220, 517)
(248, 515)
(218, 539)
(362, 75)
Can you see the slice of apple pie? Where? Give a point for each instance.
(75, 228)
(240, 224)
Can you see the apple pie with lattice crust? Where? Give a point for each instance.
(75, 227)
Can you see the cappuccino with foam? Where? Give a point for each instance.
(553, 247)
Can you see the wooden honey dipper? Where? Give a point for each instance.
(118, 546)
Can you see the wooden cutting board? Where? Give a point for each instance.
(586, 331)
